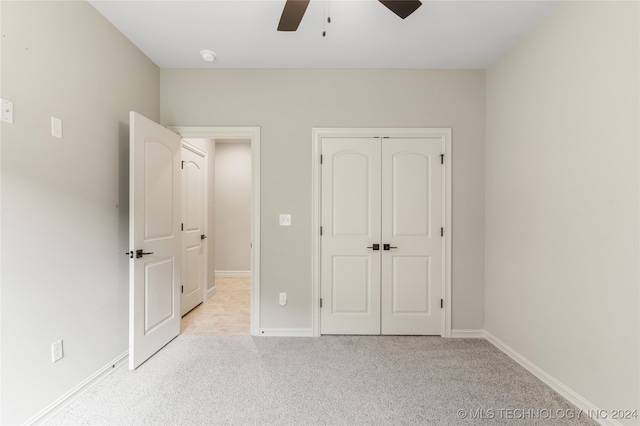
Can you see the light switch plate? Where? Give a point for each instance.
(6, 111)
(283, 299)
(56, 127)
(285, 220)
(56, 351)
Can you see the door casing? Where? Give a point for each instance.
(445, 135)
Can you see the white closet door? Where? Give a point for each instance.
(411, 221)
(350, 285)
(385, 192)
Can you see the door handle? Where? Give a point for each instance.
(202, 237)
(388, 246)
(139, 253)
(375, 247)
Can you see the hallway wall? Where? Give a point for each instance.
(232, 207)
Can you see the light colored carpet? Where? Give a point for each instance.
(345, 380)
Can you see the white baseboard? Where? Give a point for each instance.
(564, 390)
(210, 293)
(233, 274)
(464, 333)
(78, 390)
(286, 332)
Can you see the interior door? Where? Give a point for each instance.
(381, 245)
(154, 234)
(350, 263)
(193, 230)
(412, 243)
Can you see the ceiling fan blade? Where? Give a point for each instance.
(292, 14)
(402, 8)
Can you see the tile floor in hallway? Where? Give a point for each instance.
(226, 313)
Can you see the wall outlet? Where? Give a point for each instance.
(285, 220)
(283, 299)
(56, 127)
(6, 111)
(56, 351)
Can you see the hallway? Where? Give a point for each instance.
(227, 313)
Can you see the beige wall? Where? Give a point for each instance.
(64, 201)
(562, 193)
(287, 104)
(232, 207)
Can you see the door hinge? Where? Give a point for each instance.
(182, 166)
(182, 226)
(320, 159)
(181, 289)
(321, 302)
(442, 232)
(441, 303)
(441, 158)
(321, 230)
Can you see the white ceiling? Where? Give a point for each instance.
(362, 33)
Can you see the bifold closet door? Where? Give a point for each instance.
(411, 220)
(350, 267)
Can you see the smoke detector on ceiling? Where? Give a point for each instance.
(208, 55)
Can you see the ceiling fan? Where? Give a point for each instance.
(294, 11)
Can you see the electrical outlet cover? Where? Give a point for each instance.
(56, 351)
(285, 220)
(56, 127)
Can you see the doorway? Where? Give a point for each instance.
(371, 185)
(251, 270)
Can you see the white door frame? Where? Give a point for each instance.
(205, 155)
(252, 134)
(317, 135)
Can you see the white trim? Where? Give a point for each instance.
(78, 390)
(316, 214)
(210, 293)
(317, 134)
(233, 274)
(286, 332)
(188, 145)
(565, 391)
(467, 333)
(252, 134)
(448, 226)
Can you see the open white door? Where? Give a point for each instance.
(154, 238)
(194, 246)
